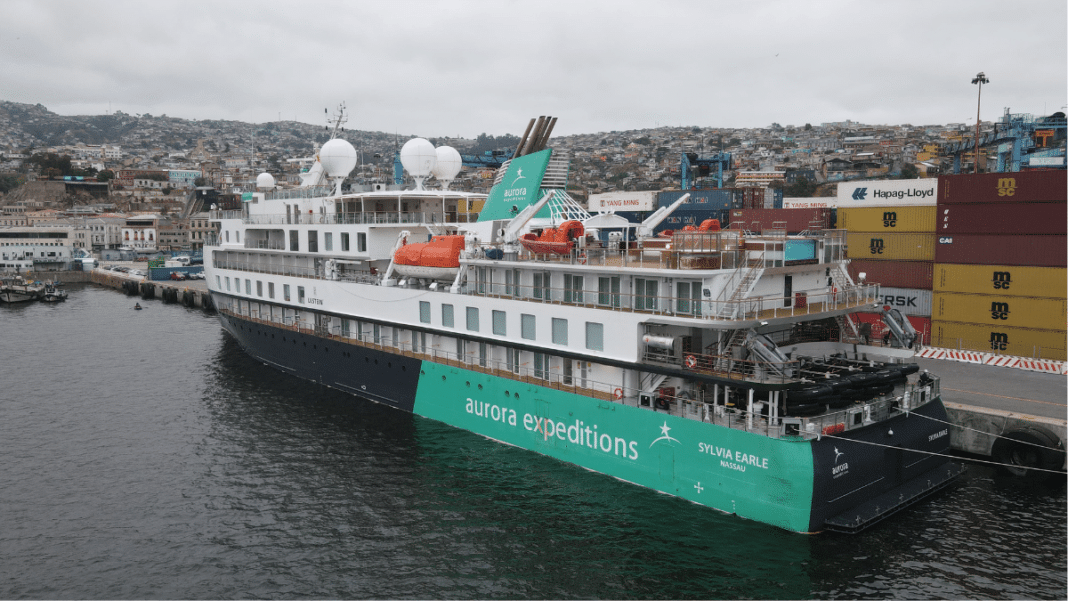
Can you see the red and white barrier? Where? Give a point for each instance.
(1041, 365)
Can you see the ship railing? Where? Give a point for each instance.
(361, 218)
(751, 308)
(343, 273)
(726, 366)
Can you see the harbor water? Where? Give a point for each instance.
(145, 456)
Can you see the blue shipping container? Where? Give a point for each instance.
(714, 198)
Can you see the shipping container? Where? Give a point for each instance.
(1009, 249)
(888, 219)
(753, 198)
(1019, 186)
(890, 246)
(910, 301)
(879, 330)
(1015, 311)
(1004, 280)
(1003, 218)
(794, 220)
(1005, 340)
(680, 219)
(896, 274)
(887, 193)
(708, 198)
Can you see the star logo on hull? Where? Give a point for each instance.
(664, 435)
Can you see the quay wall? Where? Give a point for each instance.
(975, 430)
(190, 294)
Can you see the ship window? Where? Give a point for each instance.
(527, 326)
(594, 336)
(376, 333)
(511, 282)
(500, 323)
(259, 288)
(300, 294)
(645, 293)
(227, 284)
(270, 289)
(294, 241)
(345, 328)
(541, 370)
(344, 242)
(688, 301)
(218, 282)
(472, 319)
(424, 312)
(461, 351)
(573, 288)
(328, 241)
(608, 291)
(285, 291)
(542, 281)
(512, 359)
(446, 316)
(313, 241)
(361, 242)
(248, 287)
(559, 331)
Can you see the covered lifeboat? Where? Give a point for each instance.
(438, 259)
(558, 240)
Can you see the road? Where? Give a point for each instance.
(1004, 388)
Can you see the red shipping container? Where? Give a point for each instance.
(879, 329)
(794, 220)
(991, 249)
(895, 274)
(1019, 186)
(1003, 218)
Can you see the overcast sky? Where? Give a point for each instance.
(460, 68)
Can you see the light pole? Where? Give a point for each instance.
(979, 79)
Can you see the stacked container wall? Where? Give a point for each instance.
(1022, 186)
(1003, 218)
(1006, 340)
(992, 249)
(878, 326)
(890, 246)
(1014, 311)
(888, 219)
(1004, 280)
(896, 274)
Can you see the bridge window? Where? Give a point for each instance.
(559, 331)
(424, 311)
(594, 336)
(527, 327)
(472, 319)
(446, 316)
(500, 324)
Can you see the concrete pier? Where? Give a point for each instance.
(191, 293)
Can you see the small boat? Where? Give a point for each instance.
(53, 294)
(137, 306)
(14, 289)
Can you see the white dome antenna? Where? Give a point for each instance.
(418, 157)
(338, 159)
(447, 166)
(265, 180)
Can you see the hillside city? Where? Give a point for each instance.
(91, 174)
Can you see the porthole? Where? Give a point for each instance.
(468, 384)
(480, 387)
(516, 395)
(442, 378)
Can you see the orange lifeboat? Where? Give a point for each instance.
(559, 240)
(437, 259)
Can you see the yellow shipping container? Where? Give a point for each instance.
(1014, 311)
(888, 219)
(890, 246)
(1003, 280)
(1021, 342)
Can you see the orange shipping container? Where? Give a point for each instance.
(1015, 311)
(1021, 342)
(1003, 280)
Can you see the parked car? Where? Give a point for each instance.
(177, 275)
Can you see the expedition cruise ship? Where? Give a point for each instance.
(720, 366)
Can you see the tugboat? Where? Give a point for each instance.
(717, 365)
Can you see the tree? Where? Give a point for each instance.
(105, 175)
(808, 127)
(802, 188)
(909, 171)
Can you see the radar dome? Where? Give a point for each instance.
(418, 157)
(338, 157)
(265, 180)
(448, 163)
